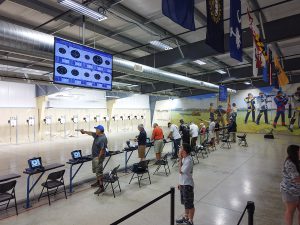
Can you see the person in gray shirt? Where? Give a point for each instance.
(186, 184)
(98, 154)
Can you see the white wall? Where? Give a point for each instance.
(17, 95)
(133, 102)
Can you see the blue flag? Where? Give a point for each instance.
(265, 68)
(215, 25)
(235, 40)
(222, 93)
(180, 11)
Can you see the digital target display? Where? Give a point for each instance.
(82, 66)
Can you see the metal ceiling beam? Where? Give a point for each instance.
(52, 11)
(25, 65)
(276, 30)
(214, 77)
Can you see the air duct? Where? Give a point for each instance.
(25, 41)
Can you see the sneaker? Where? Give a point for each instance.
(99, 191)
(274, 125)
(189, 223)
(182, 221)
(157, 162)
(96, 184)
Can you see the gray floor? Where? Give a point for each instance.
(224, 182)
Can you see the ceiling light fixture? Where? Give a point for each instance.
(82, 9)
(200, 62)
(160, 45)
(220, 71)
(247, 83)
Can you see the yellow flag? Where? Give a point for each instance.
(282, 77)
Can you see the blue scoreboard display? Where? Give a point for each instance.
(79, 65)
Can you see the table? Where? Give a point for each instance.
(85, 159)
(126, 150)
(41, 172)
(9, 177)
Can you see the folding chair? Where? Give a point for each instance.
(7, 193)
(163, 162)
(111, 178)
(201, 149)
(54, 180)
(226, 140)
(194, 155)
(242, 139)
(139, 169)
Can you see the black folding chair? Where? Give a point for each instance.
(242, 139)
(7, 193)
(163, 162)
(54, 181)
(226, 141)
(139, 169)
(111, 178)
(201, 149)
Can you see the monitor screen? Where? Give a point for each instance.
(82, 66)
(76, 154)
(35, 163)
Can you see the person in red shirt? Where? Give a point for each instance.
(158, 138)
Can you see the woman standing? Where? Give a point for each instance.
(290, 185)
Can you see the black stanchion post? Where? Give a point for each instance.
(250, 209)
(172, 213)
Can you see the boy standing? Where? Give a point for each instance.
(186, 185)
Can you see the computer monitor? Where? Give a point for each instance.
(35, 163)
(76, 154)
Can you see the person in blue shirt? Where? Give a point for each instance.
(280, 100)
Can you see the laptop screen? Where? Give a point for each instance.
(35, 163)
(76, 154)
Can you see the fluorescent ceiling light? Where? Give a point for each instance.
(82, 9)
(247, 83)
(160, 45)
(200, 62)
(221, 71)
(108, 96)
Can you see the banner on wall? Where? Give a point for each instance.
(181, 12)
(222, 93)
(235, 40)
(215, 25)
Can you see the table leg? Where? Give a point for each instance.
(73, 176)
(29, 189)
(106, 162)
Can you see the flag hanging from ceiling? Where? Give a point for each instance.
(181, 12)
(270, 68)
(282, 77)
(215, 25)
(265, 69)
(235, 40)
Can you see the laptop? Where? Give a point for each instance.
(35, 163)
(76, 155)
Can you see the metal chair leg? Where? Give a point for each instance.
(16, 206)
(131, 178)
(48, 196)
(113, 190)
(65, 192)
(41, 194)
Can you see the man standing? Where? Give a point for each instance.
(175, 136)
(250, 107)
(211, 130)
(184, 130)
(211, 111)
(234, 111)
(232, 129)
(280, 101)
(186, 185)
(141, 139)
(158, 138)
(263, 107)
(194, 132)
(98, 154)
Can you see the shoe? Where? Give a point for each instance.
(274, 125)
(182, 221)
(189, 223)
(157, 162)
(174, 157)
(99, 191)
(96, 184)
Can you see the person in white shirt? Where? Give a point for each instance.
(194, 132)
(176, 137)
(186, 184)
(211, 130)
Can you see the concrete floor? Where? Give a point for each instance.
(224, 182)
